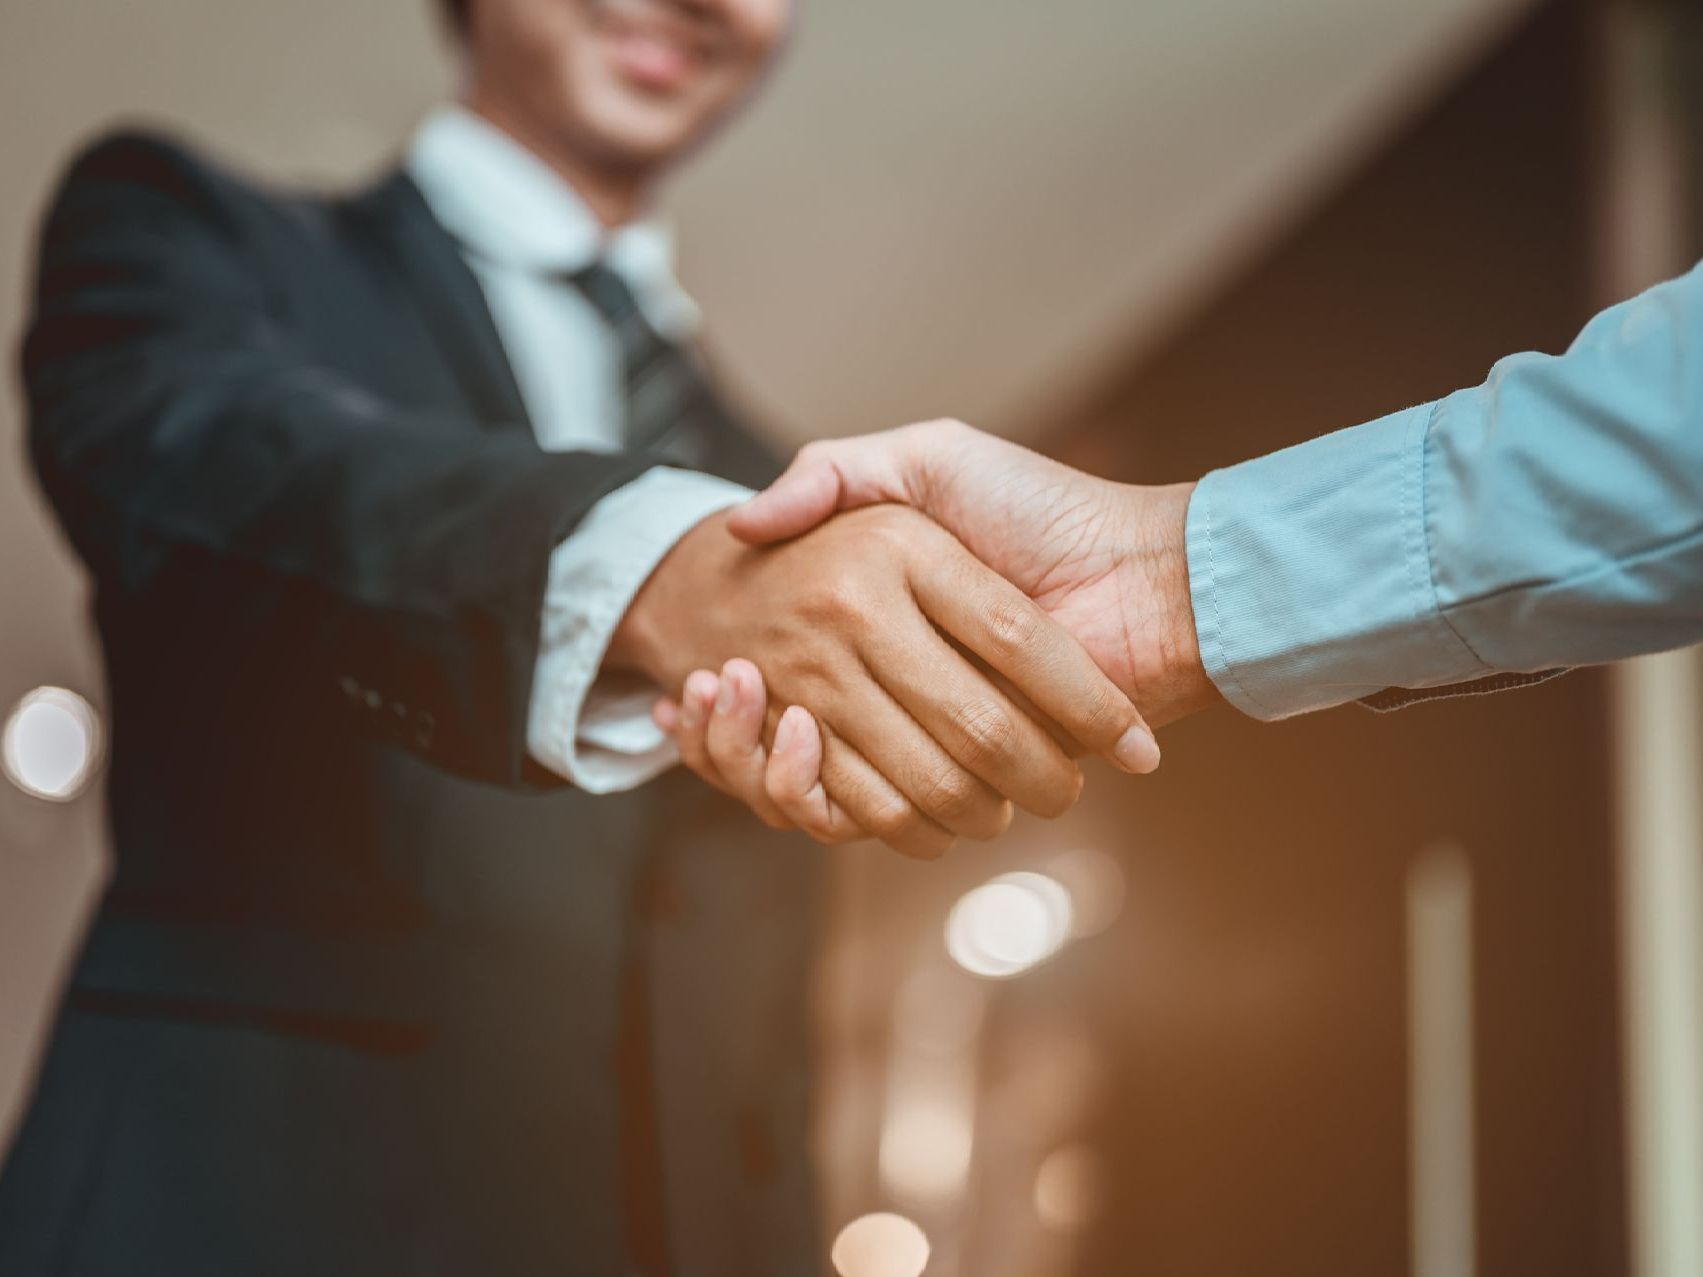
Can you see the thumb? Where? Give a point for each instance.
(806, 494)
(825, 478)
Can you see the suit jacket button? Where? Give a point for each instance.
(374, 700)
(350, 687)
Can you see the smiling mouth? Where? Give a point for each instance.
(657, 56)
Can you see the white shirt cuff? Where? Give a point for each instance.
(594, 728)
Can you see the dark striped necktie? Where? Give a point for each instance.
(663, 390)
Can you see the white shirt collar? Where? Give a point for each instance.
(509, 210)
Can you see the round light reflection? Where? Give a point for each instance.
(1067, 1188)
(51, 744)
(880, 1245)
(925, 1151)
(1096, 884)
(1006, 926)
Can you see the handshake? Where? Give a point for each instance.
(855, 668)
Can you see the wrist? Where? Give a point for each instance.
(1174, 681)
(674, 603)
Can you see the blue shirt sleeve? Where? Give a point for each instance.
(1552, 516)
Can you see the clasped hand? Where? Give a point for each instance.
(909, 674)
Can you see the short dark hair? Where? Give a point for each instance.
(455, 14)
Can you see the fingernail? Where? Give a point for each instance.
(1137, 751)
(724, 695)
(786, 732)
(692, 702)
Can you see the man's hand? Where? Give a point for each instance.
(850, 621)
(1106, 560)
(718, 724)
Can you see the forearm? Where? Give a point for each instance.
(1565, 495)
(1549, 517)
(402, 558)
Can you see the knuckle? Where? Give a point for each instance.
(896, 822)
(1101, 717)
(816, 675)
(986, 733)
(1013, 626)
(952, 795)
(893, 819)
(835, 601)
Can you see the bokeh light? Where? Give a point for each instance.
(937, 1012)
(1095, 881)
(880, 1245)
(1068, 1188)
(925, 1150)
(1004, 927)
(51, 744)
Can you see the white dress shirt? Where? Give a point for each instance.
(522, 230)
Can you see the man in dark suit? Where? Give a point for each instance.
(400, 507)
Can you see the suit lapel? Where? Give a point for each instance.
(449, 299)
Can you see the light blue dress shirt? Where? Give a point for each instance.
(1550, 517)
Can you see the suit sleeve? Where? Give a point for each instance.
(222, 483)
(1550, 517)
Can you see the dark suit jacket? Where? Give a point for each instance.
(350, 924)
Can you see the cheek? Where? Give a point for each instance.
(525, 30)
(533, 57)
(760, 28)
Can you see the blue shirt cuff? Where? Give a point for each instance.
(1311, 576)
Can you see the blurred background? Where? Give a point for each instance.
(1346, 995)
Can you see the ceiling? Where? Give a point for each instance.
(961, 208)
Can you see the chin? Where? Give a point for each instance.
(629, 125)
(648, 138)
